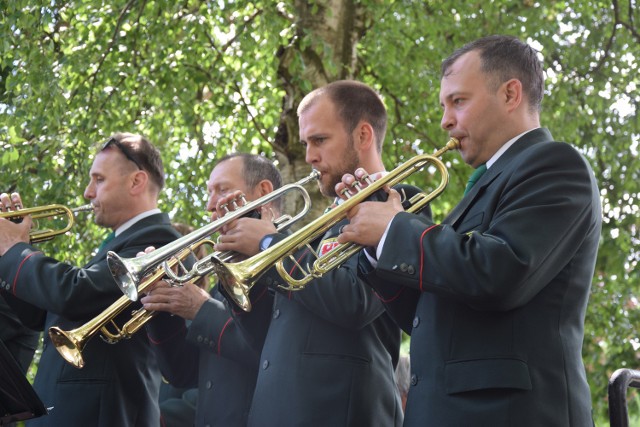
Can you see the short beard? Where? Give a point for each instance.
(349, 164)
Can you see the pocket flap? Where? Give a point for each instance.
(469, 375)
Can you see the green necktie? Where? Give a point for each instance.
(107, 239)
(333, 205)
(475, 176)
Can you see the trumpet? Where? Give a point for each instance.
(241, 276)
(48, 211)
(128, 273)
(71, 343)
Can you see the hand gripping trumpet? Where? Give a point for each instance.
(128, 273)
(71, 343)
(240, 277)
(48, 211)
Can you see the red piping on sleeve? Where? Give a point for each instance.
(162, 341)
(422, 254)
(295, 265)
(15, 279)
(298, 262)
(391, 299)
(222, 333)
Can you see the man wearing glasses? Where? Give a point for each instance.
(119, 383)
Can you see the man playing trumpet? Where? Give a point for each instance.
(330, 349)
(494, 297)
(119, 384)
(201, 345)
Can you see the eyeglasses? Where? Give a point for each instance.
(122, 148)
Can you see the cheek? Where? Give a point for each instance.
(335, 158)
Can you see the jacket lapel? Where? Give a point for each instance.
(116, 242)
(534, 137)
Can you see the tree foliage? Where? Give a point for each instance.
(204, 78)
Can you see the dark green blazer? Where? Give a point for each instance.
(494, 297)
(329, 353)
(119, 384)
(212, 354)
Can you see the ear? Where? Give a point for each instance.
(511, 92)
(264, 187)
(364, 136)
(139, 182)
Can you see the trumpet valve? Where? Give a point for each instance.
(357, 185)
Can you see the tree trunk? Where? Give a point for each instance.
(323, 50)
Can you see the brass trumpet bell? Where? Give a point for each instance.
(70, 344)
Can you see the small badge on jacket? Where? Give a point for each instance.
(327, 245)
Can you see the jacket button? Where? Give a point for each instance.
(414, 379)
(276, 313)
(268, 281)
(265, 364)
(411, 269)
(403, 267)
(416, 321)
(208, 385)
(200, 338)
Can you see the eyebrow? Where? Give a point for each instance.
(227, 183)
(451, 96)
(316, 136)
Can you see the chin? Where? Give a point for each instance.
(327, 190)
(465, 158)
(98, 220)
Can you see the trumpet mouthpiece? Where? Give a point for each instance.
(83, 208)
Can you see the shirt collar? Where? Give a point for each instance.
(135, 219)
(505, 147)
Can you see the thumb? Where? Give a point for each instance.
(27, 223)
(394, 195)
(395, 198)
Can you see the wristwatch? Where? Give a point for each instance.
(265, 242)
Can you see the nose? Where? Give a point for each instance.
(448, 120)
(89, 192)
(311, 155)
(211, 204)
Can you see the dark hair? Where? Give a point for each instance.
(140, 151)
(504, 58)
(255, 169)
(355, 101)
